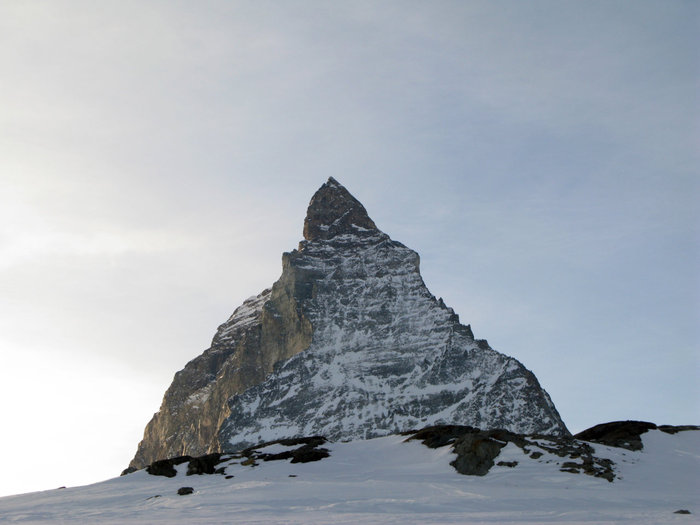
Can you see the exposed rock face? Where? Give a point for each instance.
(262, 331)
(349, 343)
(333, 211)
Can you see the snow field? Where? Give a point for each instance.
(387, 481)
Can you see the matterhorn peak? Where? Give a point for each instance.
(349, 343)
(334, 211)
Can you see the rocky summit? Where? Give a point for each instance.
(347, 344)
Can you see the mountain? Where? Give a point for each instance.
(348, 344)
(397, 479)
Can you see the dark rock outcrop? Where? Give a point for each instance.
(475, 453)
(623, 434)
(439, 436)
(299, 450)
(166, 467)
(203, 464)
(307, 449)
(674, 429)
(477, 450)
(626, 434)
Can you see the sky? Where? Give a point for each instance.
(157, 157)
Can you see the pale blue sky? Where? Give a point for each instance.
(156, 158)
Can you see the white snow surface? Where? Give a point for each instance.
(389, 481)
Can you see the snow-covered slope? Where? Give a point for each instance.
(390, 481)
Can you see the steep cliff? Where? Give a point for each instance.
(262, 331)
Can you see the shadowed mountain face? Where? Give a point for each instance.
(348, 343)
(333, 211)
